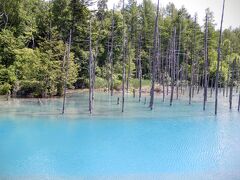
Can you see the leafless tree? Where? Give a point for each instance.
(218, 60)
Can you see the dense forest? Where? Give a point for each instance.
(48, 46)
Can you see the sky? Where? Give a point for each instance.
(231, 16)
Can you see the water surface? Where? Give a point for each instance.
(182, 141)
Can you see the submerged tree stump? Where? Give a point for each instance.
(118, 101)
(231, 84)
(239, 102)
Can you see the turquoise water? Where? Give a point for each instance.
(168, 142)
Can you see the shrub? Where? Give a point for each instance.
(31, 89)
(135, 83)
(5, 88)
(100, 83)
(117, 85)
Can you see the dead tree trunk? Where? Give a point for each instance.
(205, 64)
(218, 60)
(154, 58)
(66, 74)
(237, 77)
(198, 77)
(186, 70)
(181, 78)
(164, 79)
(90, 68)
(239, 102)
(60, 88)
(168, 65)
(109, 64)
(139, 68)
(195, 76)
(94, 59)
(163, 85)
(129, 46)
(158, 72)
(124, 59)
(190, 83)
(178, 61)
(231, 83)
(224, 86)
(111, 53)
(193, 63)
(228, 77)
(212, 85)
(173, 61)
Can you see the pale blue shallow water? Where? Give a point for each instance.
(170, 142)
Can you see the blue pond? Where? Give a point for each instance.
(36, 141)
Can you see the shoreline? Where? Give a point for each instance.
(145, 91)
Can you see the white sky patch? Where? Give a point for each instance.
(231, 16)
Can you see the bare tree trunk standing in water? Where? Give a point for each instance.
(109, 64)
(193, 63)
(164, 76)
(228, 76)
(231, 83)
(158, 64)
(90, 68)
(218, 60)
(169, 63)
(140, 68)
(239, 102)
(186, 57)
(237, 76)
(181, 78)
(198, 76)
(94, 59)
(178, 57)
(129, 46)
(124, 58)
(173, 61)
(154, 58)
(168, 67)
(66, 75)
(163, 85)
(111, 53)
(212, 86)
(205, 64)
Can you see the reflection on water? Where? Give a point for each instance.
(37, 141)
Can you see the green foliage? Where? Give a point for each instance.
(7, 75)
(117, 84)
(8, 43)
(100, 82)
(5, 88)
(31, 88)
(135, 83)
(34, 33)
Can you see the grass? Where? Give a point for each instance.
(134, 83)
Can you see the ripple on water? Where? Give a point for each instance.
(180, 141)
